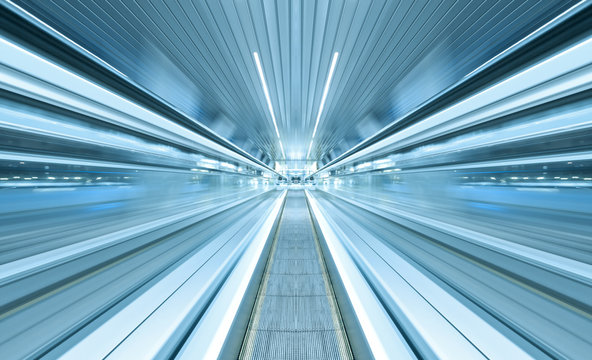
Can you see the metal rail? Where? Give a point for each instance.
(568, 28)
(25, 29)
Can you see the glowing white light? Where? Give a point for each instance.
(325, 92)
(363, 165)
(282, 147)
(228, 165)
(382, 161)
(265, 91)
(210, 161)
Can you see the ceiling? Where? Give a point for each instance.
(198, 56)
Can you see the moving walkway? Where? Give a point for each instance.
(296, 315)
(461, 230)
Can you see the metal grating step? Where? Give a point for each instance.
(295, 314)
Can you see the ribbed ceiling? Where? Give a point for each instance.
(198, 56)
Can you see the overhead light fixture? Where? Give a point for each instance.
(266, 92)
(282, 147)
(325, 92)
(309, 147)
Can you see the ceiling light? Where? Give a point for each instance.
(309, 147)
(282, 147)
(325, 92)
(266, 92)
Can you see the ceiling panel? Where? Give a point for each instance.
(198, 56)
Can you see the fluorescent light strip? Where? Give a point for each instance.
(325, 92)
(282, 147)
(308, 152)
(266, 91)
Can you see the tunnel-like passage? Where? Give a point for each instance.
(287, 180)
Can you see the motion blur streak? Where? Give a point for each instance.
(150, 210)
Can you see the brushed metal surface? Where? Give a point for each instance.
(295, 315)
